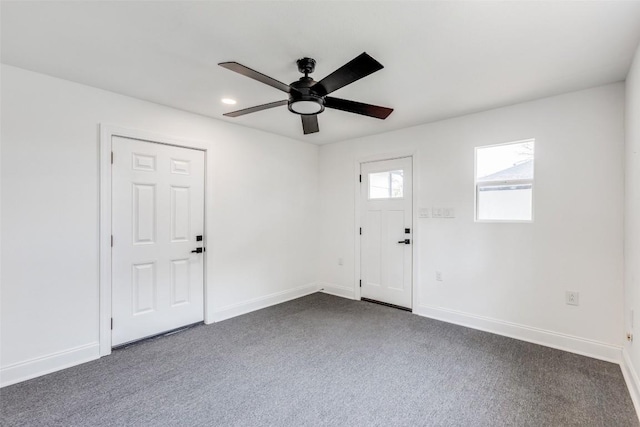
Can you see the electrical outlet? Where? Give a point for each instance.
(439, 276)
(436, 212)
(572, 298)
(424, 213)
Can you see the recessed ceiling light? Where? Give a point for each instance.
(228, 101)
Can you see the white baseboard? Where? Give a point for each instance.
(572, 344)
(22, 371)
(631, 378)
(43, 365)
(244, 307)
(340, 291)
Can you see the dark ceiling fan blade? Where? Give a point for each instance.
(357, 107)
(357, 68)
(310, 124)
(256, 108)
(253, 74)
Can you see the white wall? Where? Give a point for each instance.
(632, 224)
(264, 217)
(506, 278)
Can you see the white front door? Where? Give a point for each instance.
(386, 202)
(157, 221)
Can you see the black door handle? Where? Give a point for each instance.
(405, 241)
(197, 251)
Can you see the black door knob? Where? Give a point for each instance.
(197, 251)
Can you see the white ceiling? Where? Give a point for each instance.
(442, 59)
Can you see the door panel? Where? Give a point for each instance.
(157, 212)
(396, 253)
(386, 201)
(180, 281)
(373, 251)
(144, 213)
(143, 286)
(180, 215)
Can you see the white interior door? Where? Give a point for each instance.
(385, 245)
(157, 216)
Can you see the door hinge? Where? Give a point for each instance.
(112, 157)
(112, 240)
(361, 231)
(360, 178)
(360, 282)
(112, 323)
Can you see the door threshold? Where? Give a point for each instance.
(387, 304)
(161, 334)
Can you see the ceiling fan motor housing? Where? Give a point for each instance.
(303, 100)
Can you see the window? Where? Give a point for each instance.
(386, 185)
(504, 182)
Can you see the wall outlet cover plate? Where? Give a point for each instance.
(572, 298)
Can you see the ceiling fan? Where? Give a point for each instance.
(308, 98)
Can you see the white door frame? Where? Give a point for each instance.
(358, 220)
(106, 133)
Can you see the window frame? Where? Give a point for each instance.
(477, 185)
(390, 172)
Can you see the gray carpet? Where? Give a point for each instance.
(327, 361)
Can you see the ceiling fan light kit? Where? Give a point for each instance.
(308, 98)
(306, 106)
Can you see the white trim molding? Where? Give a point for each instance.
(572, 344)
(415, 170)
(107, 132)
(22, 371)
(265, 301)
(631, 378)
(337, 290)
